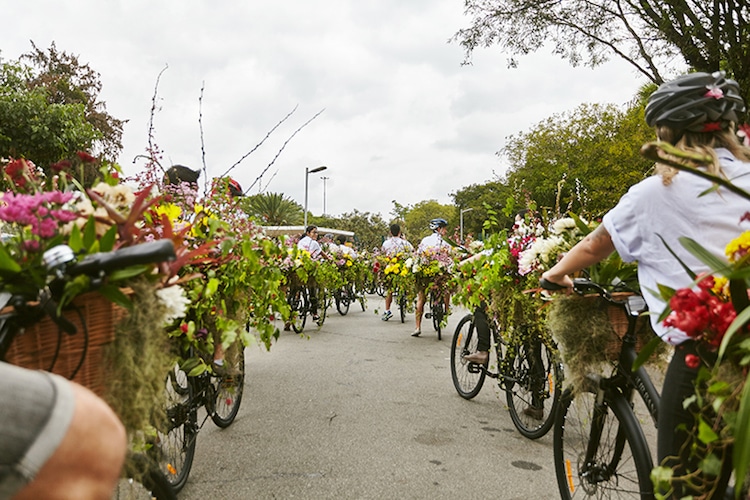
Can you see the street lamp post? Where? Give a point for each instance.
(307, 174)
(461, 217)
(324, 194)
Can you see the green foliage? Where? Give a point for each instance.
(593, 150)
(369, 229)
(418, 216)
(273, 209)
(480, 197)
(32, 127)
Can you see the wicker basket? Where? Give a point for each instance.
(79, 357)
(618, 320)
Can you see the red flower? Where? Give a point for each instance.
(85, 157)
(184, 328)
(60, 166)
(692, 361)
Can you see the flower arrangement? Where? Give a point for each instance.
(432, 267)
(398, 275)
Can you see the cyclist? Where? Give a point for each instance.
(309, 243)
(57, 438)
(439, 228)
(696, 112)
(394, 245)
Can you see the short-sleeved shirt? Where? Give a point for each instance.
(395, 245)
(312, 246)
(650, 211)
(432, 241)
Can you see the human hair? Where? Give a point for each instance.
(341, 239)
(309, 229)
(702, 143)
(395, 229)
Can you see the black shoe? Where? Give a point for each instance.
(416, 333)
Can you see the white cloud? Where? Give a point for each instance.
(403, 118)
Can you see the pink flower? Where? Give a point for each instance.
(692, 361)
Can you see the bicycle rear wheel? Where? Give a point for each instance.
(230, 387)
(619, 463)
(298, 303)
(437, 312)
(342, 301)
(175, 443)
(533, 386)
(467, 377)
(402, 307)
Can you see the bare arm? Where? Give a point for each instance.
(595, 247)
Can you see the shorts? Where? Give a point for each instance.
(35, 413)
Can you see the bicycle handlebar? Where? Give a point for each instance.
(144, 253)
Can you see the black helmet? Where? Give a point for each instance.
(698, 102)
(436, 223)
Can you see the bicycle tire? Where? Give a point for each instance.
(299, 305)
(622, 464)
(402, 307)
(533, 392)
(142, 479)
(230, 387)
(324, 302)
(175, 444)
(467, 377)
(342, 301)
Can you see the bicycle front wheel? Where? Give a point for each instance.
(143, 480)
(229, 387)
(467, 377)
(343, 300)
(600, 450)
(402, 307)
(533, 386)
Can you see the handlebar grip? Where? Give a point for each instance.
(144, 253)
(548, 285)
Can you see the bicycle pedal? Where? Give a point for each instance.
(428, 315)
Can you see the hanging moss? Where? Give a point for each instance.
(583, 326)
(138, 361)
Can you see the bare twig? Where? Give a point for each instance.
(203, 144)
(257, 179)
(261, 142)
(154, 109)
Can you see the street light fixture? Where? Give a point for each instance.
(461, 217)
(307, 174)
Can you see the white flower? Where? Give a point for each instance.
(175, 301)
(564, 224)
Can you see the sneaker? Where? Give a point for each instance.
(316, 317)
(479, 357)
(387, 315)
(416, 333)
(535, 413)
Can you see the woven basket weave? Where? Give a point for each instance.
(618, 320)
(43, 346)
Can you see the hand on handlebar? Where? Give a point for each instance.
(552, 283)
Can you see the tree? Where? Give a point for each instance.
(369, 229)
(709, 35)
(581, 161)
(273, 209)
(418, 216)
(477, 197)
(32, 128)
(66, 81)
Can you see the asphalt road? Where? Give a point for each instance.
(362, 410)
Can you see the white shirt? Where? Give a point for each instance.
(395, 245)
(650, 209)
(432, 241)
(348, 251)
(312, 246)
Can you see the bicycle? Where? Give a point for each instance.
(343, 297)
(528, 370)
(298, 298)
(220, 394)
(141, 475)
(600, 449)
(437, 311)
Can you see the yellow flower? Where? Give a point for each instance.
(171, 210)
(738, 247)
(349, 263)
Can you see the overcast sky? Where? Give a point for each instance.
(401, 118)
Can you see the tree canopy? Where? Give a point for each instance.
(648, 34)
(273, 209)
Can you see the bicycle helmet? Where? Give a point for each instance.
(436, 223)
(697, 102)
(234, 188)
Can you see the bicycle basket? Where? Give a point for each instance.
(79, 357)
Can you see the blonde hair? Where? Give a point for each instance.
(701, 143)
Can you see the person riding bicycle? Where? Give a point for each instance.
(697, 113)
(57, 438)
(394, 245)
(439, 227)
(309, 243)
